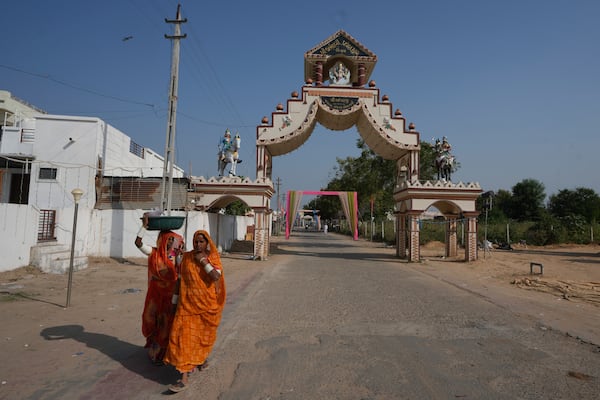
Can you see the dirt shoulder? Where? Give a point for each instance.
(566, 296)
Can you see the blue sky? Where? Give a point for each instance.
(513, 84)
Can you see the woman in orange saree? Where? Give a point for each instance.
(157, 316)
(200, 300)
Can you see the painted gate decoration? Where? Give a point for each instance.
(349, 204)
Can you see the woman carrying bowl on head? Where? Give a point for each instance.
(163, 273)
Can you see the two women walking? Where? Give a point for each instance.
(187, 312)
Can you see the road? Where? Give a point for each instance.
(338, 320)
(324, 318)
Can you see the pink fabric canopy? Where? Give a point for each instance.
(349, 204)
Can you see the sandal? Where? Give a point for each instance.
(178, 387)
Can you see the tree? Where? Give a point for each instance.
(329, 207)
(427, 168)
(502, 206)
(237, 207)
(370, 176)
(527, 203)
(581, 202)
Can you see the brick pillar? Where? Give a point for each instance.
(414, 234)
(451, 239)
(401, 235)
(261, 235)
(471, 245)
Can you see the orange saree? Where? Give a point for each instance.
(198, 315)
(157, 316)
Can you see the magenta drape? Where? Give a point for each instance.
(349, 205)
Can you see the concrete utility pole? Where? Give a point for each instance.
(166, 192)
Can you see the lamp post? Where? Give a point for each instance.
(487, 204)
(77, 193)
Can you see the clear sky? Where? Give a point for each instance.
(513, 84)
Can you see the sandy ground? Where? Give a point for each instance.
(565, 297)
(107, 297)
(571, 272)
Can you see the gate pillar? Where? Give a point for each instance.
(401, 236)
(414, 247)
(261, 235)
(451, 239)
(471, 245)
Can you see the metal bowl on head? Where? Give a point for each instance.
(164, 222)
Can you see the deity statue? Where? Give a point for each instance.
(339, 74)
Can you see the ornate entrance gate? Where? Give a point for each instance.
(336, 94)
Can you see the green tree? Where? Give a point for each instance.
(427, 168)
(237, 207)
(329, 207)
(502, 206)
(370, 176)
(581, 202)
(527, 203)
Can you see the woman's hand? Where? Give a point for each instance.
(214, 275)
(200, 258)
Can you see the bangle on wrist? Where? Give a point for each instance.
(208, 268)
(141, 232)
(174, 299)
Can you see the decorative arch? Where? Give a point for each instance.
(349, 205)
(336, 95)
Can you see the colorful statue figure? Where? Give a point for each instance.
(229, 153)
(339, 74)
(444, 161)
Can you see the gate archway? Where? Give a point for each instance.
(349, 205)
(336, 95)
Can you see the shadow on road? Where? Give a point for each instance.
(317, 244)
(132, 357)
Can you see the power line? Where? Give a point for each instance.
(72, 86)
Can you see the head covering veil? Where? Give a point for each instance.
(213, 253)
(159, 258)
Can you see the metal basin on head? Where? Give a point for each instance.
(165, 222)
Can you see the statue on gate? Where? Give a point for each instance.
(444, 161)
(229, 153)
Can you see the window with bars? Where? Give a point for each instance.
(46, 225)
(48, 173)
(136, 149)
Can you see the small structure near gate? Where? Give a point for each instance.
(205, 194)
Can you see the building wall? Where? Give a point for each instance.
(18, 232)
(118, 160)
(112, 232)
(69, 146)
(103, 233)
(12, 109)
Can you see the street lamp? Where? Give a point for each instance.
(77, 193)
(487, 205)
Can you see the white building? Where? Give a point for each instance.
(43, 158)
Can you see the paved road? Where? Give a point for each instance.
(329, 318)
(338, 320)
